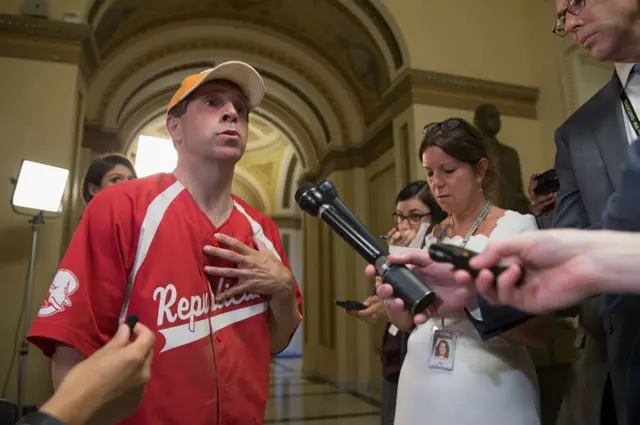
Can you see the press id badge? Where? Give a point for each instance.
(443, 349)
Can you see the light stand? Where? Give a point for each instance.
(39, 189)
(35, 222)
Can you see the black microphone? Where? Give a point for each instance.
(331, 197)
(407, 286)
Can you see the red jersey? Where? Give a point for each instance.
(138, 250)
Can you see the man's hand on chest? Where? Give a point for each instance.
(258, 271)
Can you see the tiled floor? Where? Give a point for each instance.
(297, 399)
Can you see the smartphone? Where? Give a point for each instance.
(547, 182)
(459, 257)
(351, 305)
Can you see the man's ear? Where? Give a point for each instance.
(174, 128)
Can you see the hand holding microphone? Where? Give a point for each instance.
(451, 297)
(322, 201)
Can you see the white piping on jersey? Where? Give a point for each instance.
(180, 335)
(258, 231)
(153, 217)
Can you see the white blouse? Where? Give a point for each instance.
(492, 382)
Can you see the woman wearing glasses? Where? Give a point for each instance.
(415, 207)
(483, 382)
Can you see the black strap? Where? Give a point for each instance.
(40, 418)
(628, 107)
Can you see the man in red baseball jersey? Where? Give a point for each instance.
(195, 263)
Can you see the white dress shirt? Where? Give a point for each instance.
(631, 83)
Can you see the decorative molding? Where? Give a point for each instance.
(100, 140)
(327, 288)
(50, 41)
(201, 65)
(338, 159)
(247, 181)
(415, 86)
(74, 43)
(286, 245)
(287, 222)
(406, 154)
(332, 32)
(385, 30)
(288, 185)
(199, 44)
(425, 88)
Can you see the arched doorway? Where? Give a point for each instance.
(328, 66)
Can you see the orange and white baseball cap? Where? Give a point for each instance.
(240, 73)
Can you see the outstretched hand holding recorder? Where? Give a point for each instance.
(460, 258)
(563, 267)
(438, 266)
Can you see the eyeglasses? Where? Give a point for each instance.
(435, 128)
(448, 125)
(413, 218)
(574, 7)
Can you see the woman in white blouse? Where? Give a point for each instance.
(479, 382)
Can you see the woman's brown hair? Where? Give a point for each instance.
(461, 141)
(97, 170)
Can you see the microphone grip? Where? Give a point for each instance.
(407, 286)
(354, 239)
(345, 211)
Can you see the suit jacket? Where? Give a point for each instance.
(623, 213)
(623, 208)
(591, 147)
(496, 319)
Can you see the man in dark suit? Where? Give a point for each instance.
(591, 146)
(623, 213)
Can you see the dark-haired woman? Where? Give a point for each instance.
(491, 382)
(415, 206)
(416, 209)
(106, 171)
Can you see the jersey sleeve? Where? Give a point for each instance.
(273, 234)
(83, 303)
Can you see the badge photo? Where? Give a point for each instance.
(443, 350)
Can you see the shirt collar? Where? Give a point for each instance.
(624, 70)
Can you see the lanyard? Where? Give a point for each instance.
(476, 224)
(474, 228)
(628, 108)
